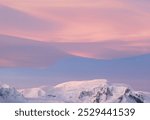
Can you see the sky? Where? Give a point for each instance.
(39, 33)
(96, 29)
(118, 26)
(76, 20)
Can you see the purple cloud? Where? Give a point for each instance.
(18, 52)
(14, 19)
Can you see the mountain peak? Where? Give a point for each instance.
(81, 84)
(4, 86)
(87, 91)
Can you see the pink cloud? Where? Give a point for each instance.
(17, 23)
(86, 20)
(20, 52)
(6, 63)
(106, 49)
(88, 28)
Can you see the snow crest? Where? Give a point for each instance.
(88, 91)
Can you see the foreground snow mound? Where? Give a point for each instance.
(10, 95)
(93, 91)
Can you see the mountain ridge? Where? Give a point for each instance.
(89, 91)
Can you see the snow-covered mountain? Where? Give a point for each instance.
(9, 94)
(92, 91)
(89, 91)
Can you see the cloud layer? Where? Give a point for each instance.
(19, 52)
(97, 29)
(77, 20)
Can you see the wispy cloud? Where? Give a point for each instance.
(18, 52)
(18, 23)
(81, 20)
(88, 28)
(106, 49)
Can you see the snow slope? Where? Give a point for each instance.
(89, 91)
(10, 95)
